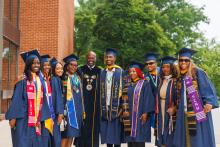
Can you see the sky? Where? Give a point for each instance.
(212, 10)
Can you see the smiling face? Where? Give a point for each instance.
(133, 73)
(91, 59)
(72, 67)
(184, 63)
(59, 70)
(166, 69)
(151, 65)
(46, 68)
(35, 66)
(110, 59)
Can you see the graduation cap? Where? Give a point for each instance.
(151, 56)
(167, 60)
(53, 62)
(111, 51)
(45, 58)
(30, 55)
(135, 64)
(186, 52)
(70, 58)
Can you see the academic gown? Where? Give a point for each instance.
(111, 129)
(165, 138)
(154, 81)
(146, 105)
(90, 132)
(22, 135)
(58, 106)
(69, 131)
(205, 131)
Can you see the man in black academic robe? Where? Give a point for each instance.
(89, 74)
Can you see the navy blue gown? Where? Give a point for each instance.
(146, 105)
(205, 131)
(22, 135)
(58, 106)
(111, 128)
(69, 131)
(165, 138)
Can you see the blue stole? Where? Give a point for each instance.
(71, 104)
(49, 97)
(112, 112)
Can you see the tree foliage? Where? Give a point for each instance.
(135, 27)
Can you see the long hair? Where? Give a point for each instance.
(173, 71)
(53, 68)
(27, 70)
(42, 69)
(191, 70)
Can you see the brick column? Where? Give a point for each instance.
(46, 25)
(1, 45)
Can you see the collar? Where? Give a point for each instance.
(154, 73)
(90, 67)
(168, 77)
(113, 70)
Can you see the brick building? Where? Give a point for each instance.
(28, 24)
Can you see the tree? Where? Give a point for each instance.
(135, 27)
(208, 59)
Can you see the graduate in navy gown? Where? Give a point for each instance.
(141, 103)
(152, 76)
(73, 101)
(53, 91)
(196, 98)
(90, 75)
(111, 92)
(166, 103)
(28, 110)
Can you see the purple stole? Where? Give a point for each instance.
(194, 99)
(136, 96)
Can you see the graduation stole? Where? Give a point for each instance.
(125, 106)
(136, 98)
(116, 93)
(193, 96)
(35, 102)
(47, 90)
(70, 103)
(190, 114)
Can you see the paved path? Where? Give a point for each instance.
(5, 136)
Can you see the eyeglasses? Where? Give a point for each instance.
(149, 63)
(184, 60)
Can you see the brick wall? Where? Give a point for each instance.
(46, 25)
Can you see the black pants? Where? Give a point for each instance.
(136, 144)
(112, 145)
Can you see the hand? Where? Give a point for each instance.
(143, 118)
(171, 110)
(59, 118)
(207, 108)
(2, 117)
(12, 123)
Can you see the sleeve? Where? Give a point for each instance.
(149, 100)
(59, 106)
(206, 89)
(17, 107)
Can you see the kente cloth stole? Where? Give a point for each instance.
(48, 92)
(136, 98)
(125, 106)
(70, 103)
(35, 102)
